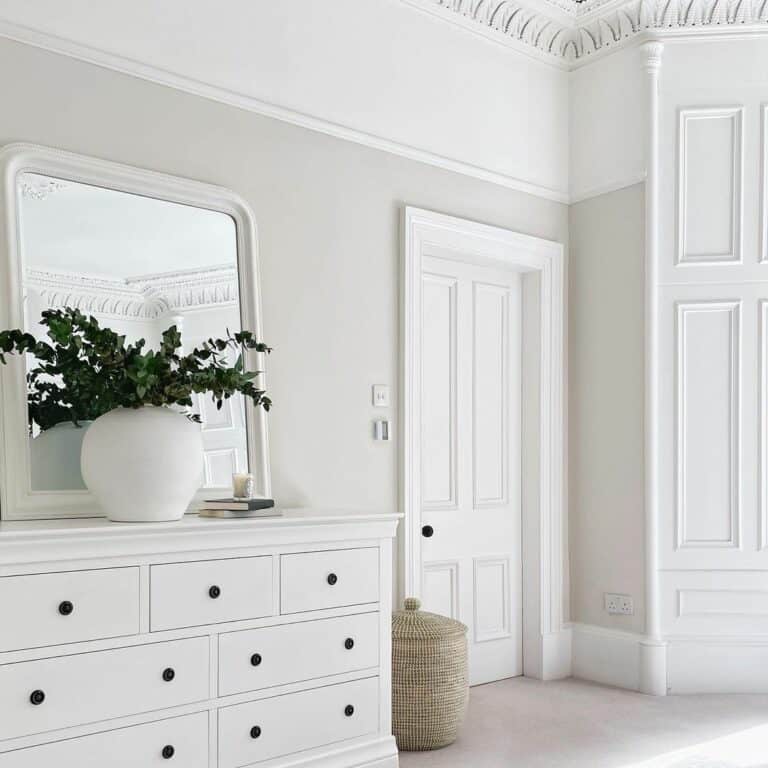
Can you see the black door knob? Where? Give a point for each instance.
(349, 710)
(168, 674)
(65, 607)
(168, 752)
(255, 732)
(214, 592)
(37, 697)
(255, 659)
(332, 578)
(427, 531)
(349, 643)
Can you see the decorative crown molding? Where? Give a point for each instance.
(34, 188)
(572, 30)
(147, 297)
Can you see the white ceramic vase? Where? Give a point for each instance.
(143, 464)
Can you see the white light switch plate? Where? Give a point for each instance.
(381, 395)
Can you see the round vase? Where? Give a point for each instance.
(144, 464)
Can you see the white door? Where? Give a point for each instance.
(470, 466)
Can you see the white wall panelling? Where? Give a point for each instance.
(709, 185)
(711, 292)
(707, 436)
(763, 425)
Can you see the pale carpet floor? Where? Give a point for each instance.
(523, 723)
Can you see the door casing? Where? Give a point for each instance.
(546, 638)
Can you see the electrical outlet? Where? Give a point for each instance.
(619, 604)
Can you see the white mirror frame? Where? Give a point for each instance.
(17, 500)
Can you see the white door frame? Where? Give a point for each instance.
(546, 641)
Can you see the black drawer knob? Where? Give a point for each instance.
(168, 751)
(37, 697)
(65, 607)
(349, 643)
(427, 531)
(255, 732)
(349, 710)
(168, 674)
(214, 592)
(332, 578)
(255, 659)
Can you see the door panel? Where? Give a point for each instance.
(471, 458)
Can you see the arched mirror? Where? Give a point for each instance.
(139, 252)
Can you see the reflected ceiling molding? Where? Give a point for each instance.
(34, 187)
(145, 297)
(572, 30)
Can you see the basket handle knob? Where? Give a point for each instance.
(412, 604)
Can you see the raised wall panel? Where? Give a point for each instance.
(490, 401)
(438, 392)
(709, 186)
(707, 424)
(722, 602)
(491, 598)
(762, 313)
(441, 588)
(764, 185)
(714, 603)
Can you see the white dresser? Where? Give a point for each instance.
(201, 643)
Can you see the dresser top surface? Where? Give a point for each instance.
(100, 527)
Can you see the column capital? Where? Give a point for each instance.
(651, 53)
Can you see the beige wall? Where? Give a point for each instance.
(328, 219)
(606, 310)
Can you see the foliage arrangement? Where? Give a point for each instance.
(88, 370)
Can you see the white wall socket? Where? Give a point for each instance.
(620, 604)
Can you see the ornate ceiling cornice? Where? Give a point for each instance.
(572, 30)
(139, 298)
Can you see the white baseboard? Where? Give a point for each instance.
(557, 654)
(679, 665)
(713, 665)
(606, 656)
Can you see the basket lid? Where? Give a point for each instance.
(413, 623)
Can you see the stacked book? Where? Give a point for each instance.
(239, 508)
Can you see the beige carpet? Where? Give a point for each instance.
(523, 723)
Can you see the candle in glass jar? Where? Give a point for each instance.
(242, 486)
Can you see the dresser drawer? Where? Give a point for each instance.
(249, 733)
(210, 592)
(259, 658)
(141, 746)
(90, 687)
(310, 581)
(54, 608)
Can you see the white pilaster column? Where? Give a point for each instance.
(653, 650)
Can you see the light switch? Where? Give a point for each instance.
(381, 395)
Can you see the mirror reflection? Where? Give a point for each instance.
(138, 265)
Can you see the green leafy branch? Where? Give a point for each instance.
(86, 370)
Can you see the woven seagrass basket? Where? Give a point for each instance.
(430, 685)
